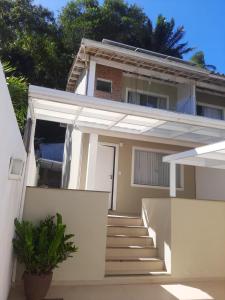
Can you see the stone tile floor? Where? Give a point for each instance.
(207, 290)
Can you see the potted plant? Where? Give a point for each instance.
(41, 248)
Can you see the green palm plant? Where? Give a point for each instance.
(43, 246)
(166, 39)
(199, 59)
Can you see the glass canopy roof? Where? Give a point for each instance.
(91, 112)
(211, 156)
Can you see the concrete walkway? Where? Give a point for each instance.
(208, 290)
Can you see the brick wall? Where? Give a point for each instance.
(115, 75)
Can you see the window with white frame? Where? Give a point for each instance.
(150, 170)
(210, 111)
(144, 99)
(104, 85)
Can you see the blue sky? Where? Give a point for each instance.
(203, 20)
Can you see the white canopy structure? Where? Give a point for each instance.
(211, 156)
(93, 113)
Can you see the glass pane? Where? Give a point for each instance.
(150, 170)
(210, 112)
(104, 86)
(133, 98)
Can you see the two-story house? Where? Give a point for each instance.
(120, 134)
(127, 108)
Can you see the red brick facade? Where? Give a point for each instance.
(115, 75)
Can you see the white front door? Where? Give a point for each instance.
(105, 170)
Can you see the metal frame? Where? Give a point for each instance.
(210, 156)
(113, 116)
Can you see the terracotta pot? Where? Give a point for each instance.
(36, 286)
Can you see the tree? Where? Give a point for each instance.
(32, 43)
(199, 59)
(167, 39)
(18, 89)
(121, 22)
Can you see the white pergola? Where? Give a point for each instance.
(210, 156)
(106, 117)
(93, 113)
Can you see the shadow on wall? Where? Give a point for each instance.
(156, 214)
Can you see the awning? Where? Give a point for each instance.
(95, 113)
(210, 156)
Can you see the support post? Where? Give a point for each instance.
(91, 163)
(91, 78)
(172, 179)
(76, 152)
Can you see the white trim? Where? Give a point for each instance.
(91, 78)
(91, 163)
(76, 157)
(36, 92)
(155, 150)
(116, 166)
(212, 106)
(172, 179)
(105, 80)
(149, 94)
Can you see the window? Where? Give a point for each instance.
(210, 112)
(150, 170)
(149, 100)
(104, 85)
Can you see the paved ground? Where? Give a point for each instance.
(210, 290)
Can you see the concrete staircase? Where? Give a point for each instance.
(130, 250)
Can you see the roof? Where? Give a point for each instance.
(118, 53)
(107, 116)
(211, 156)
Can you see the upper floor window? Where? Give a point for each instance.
(210, 111)
(145, 99)
(104, 85)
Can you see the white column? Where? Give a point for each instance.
(91, 78)
(91, 163)
(32, 171)
(75, 164)
(172, 179)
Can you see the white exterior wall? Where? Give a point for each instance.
(82, 84)
(210, 184)
(10, 190)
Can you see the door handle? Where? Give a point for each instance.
(111, 177)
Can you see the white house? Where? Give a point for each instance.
(132, 118)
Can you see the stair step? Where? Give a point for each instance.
(130, 252)
(124, 220)
(121, 241)
(127, 230)
(139, 266)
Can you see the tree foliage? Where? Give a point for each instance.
(199, 59)
(121, 22)
(43, 246)
(18, 89)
